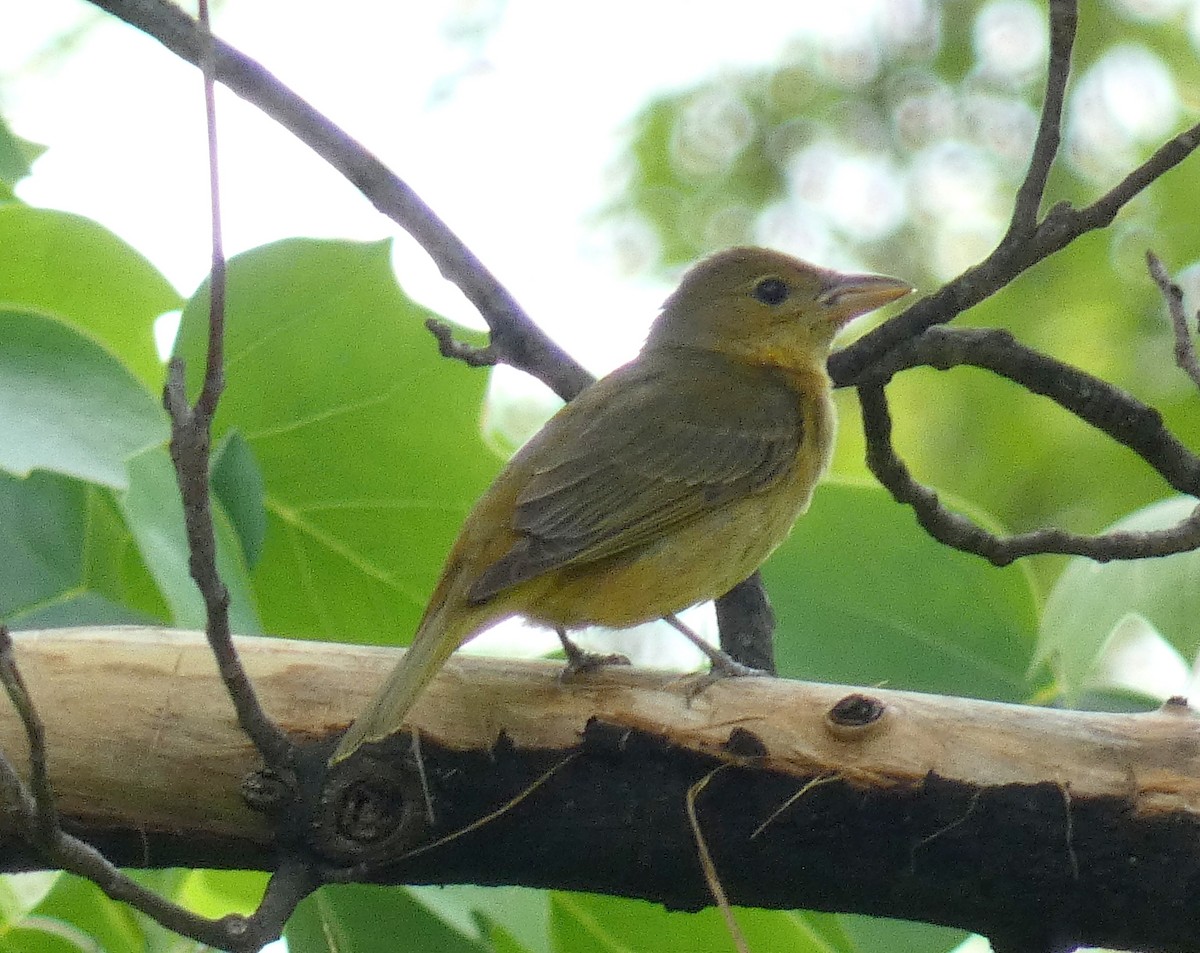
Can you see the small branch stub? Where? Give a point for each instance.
(853, 715)
(370, 811)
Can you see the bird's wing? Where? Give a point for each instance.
(649, 449)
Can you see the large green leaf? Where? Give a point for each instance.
(69, 406)
(16, 156)
(237, 483)
(864, 596)
(520, 914)
(72, 267)
(69, 559)
(73, 917)
(154, 513)
(589, 923)
(1090, 599)
(367, 441)
(353, 918)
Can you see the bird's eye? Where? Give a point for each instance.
(771, 291)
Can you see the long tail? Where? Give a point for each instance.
(441, 632)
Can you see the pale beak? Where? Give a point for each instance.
(848, 296)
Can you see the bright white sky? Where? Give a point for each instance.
(511, 138)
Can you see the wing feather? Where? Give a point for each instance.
(647, 450)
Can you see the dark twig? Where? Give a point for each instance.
(42, 799)
(1185, 348)
(1063, 21)
(469, 354)
(745, 622)
(959, 532)
(515, 338)
(214, 371)
(191, 445)
(1102, 405)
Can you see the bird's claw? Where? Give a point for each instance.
(581, 663)
(721, 669)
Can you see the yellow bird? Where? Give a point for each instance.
(660, 486)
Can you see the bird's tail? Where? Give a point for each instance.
(440, 633)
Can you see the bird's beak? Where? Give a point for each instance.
(848, 296)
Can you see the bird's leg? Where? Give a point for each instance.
(722, 665)
(580, 661)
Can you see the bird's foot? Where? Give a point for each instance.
(723, 665)
(700, 682)
(580, 662)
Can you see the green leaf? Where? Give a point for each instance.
(16, 155)
(865, 597)
(74, 916)
(237, 482)
(70, 406)
(74, 268)
(882, 935)
(353, 918)
(521, 913)
(590, 923)
(1090, 599)
(210, 893)
(368, 441)
(154, 513)
(68, 557)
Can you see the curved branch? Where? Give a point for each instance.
(515, 337)
(958, 531)
(1104, 406)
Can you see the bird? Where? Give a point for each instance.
(661, 485)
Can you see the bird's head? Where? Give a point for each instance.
(764, 306)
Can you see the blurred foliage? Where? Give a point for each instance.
(898, 144)
(16, 156)
(1126, 625)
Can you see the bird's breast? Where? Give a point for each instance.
(703, 558)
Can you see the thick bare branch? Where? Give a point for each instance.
(941, 808)
(33, 811)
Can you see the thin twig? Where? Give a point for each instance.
(706, 862)
(1104, 406)
(792, 799)
(469, 354)
(491, 816)
(42, 796)
(1063, 20)
(214, 371)
(37, 817)
(191, 445)
(1185, 348)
